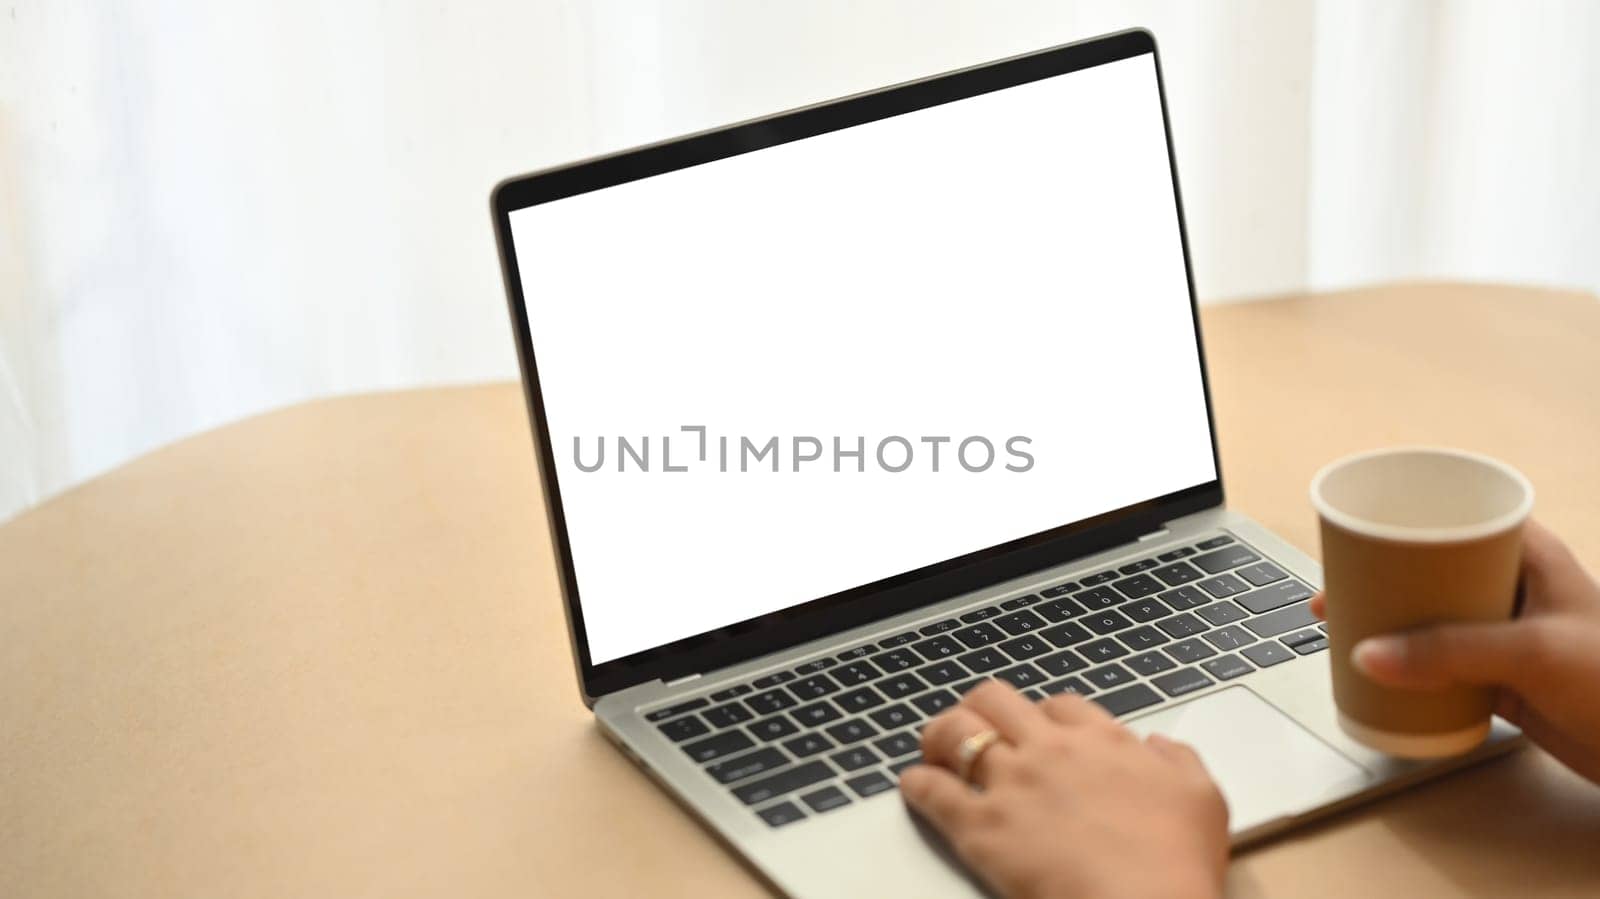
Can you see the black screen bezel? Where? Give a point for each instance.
(809, 620)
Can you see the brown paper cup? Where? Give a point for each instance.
(1410, 537)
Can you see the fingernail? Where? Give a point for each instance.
(1378, 652)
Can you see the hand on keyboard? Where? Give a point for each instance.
(1547, 660)
(1069, 802)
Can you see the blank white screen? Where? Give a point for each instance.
(1008, 264)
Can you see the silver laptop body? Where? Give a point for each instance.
(783, 732)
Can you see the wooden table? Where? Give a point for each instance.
(320, 653)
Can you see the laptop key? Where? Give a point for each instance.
(1214, 542)
(1127, 699)
(807, 744)
(938, 627)
(1099, 598)
(1021, 676)
(1147, 609)
(1106, 622)
(815, 665)
(898, 640)
(938, 648)
(853, 731)
(901, 685)
(942, 672)
(1274, 596)
(727, 715)
(1062, 663)
(769, 701)
(1292, 639)
(1223, 559)
(855, 758)
(933, 703)
(1184, 624)
(1108, 676)
(896, 745)
(1136, 567)
(981, 634)
(816, 713)
(857, 653)
(983, 614)
(1068, 685)
(1025, 647)
(1176, 554)
(966, 685)
(1267, 654)
(897, 715)
(1056, 610)
(730, 693)
(813, 686)
(673, 711)
(713, 748)
(781, 814)
(1231, 637)
(896, 660)
(1058, 590)
(1177, 573)
(1282, 621)
(858, 700)
(1226, 667)
(896, 767)
(1223, 586)
(826, 799)
(1033, 695)
(1221, 613)
(855, 673)
(1262, 573)
(987, 659)
(1311, 646)
(747, 765)
(1104, 577)
(1018, 602)
(1191, 650)
(1139, 586)
(1102, 650)
(773, 679)
(1185, 598)
(1183, 681)
(870, 784)
(797, 778)
(1065, 634)
(1150, 663)
(681, 729)
(1018, 623)
(769, 729)
(1142, 637)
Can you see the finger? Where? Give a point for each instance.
(1509, 652)
(1009, 711)
(942, 739)
(1074, 711)
(940, 797)
(1180, 754)
(1319, 605)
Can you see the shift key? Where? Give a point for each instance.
(1282, 621)
(783, 782)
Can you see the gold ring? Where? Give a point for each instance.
(970, 750)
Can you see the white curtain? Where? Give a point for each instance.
(212, 209)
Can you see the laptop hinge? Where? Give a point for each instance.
(1154, 534)
(683, 680)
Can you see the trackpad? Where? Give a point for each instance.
(1267, 765)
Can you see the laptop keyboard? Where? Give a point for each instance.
(839, 729)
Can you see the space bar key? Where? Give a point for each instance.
(783, 782)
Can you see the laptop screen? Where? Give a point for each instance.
(789, 373)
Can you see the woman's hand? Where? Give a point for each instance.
(1069, 802)
(1546, 661)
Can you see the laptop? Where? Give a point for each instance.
(843, 410)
